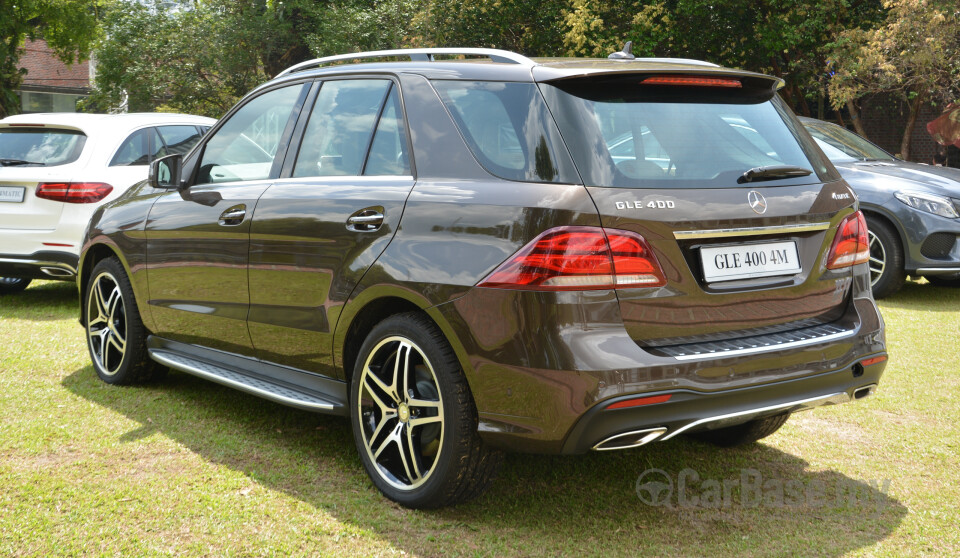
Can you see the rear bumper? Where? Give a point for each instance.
(687, 411)
(543, 368)
(40, 265)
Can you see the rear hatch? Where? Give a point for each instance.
(737, 204)
(30, 155)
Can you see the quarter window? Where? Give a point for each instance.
(134, 150)
(178, 140)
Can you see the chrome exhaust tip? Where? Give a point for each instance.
(57, 272)
(864, 391)
(630, 439)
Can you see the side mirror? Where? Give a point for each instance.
(165, 172)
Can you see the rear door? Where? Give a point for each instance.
(743, 251)
(318, 228)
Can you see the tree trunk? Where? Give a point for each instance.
(855, 118)
(914, 106)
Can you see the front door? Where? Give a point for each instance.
(198, 238)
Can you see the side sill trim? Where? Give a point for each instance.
(233, 379)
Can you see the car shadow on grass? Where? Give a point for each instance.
(43, 301)
(665, 498)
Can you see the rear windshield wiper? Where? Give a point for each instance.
(773, 173)
(19, 163)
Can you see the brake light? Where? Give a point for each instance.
(851, 246)
(74, 192)
(691, 80)
(580, 258)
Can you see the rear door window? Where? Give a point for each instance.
(47, 147)
(341, 127)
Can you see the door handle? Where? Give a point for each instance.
(365, 221)
(233, 215)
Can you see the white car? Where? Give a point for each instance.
(56, 169)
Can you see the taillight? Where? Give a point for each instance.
(692, 81)
(74, 192)
(580, 258)
(851, 246)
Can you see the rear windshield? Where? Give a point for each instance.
(39, 147)
(624, 134)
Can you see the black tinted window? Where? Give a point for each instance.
(134, 150)
(46, 147)
(245, 146)
(341, 127)
(388, 154)
(178, 139)
(624, 134)
(509, 129)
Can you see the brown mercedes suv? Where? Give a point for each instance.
(467, 251)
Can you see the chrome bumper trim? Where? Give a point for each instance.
(793, 406)
(751, 231)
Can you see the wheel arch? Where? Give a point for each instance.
(372, 306)
(91, 256)
(882, 215)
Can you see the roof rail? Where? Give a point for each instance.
(415, 54)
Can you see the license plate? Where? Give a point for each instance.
(12, 194)
(747, 261)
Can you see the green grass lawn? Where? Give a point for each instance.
(188, 467)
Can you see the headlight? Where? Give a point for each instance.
(928, 202)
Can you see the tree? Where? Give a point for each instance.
(914, 55)
(786, 38)
(68, 26)
(530, 27)
(198, 57)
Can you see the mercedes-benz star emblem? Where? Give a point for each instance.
(757, 202)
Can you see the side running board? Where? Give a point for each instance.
(260, 386)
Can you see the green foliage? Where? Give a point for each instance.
(786, 38)
(68, 26)
(198, 57)
(354, 25)
(530, 27)
(913, 54)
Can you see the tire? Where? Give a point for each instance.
(941, 281)
(419, 444)
(742, 434)
(887, 274)
(13, 285)
(116, 336)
